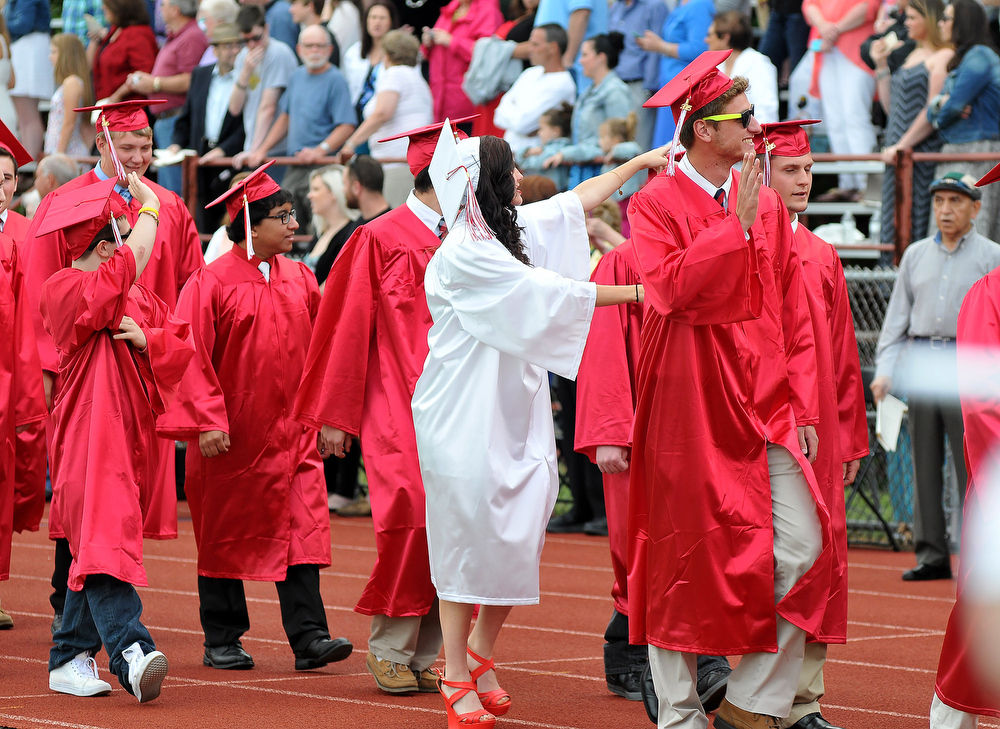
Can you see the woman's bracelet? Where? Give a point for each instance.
(621, 182)
(151, 212)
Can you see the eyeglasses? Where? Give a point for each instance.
(283, 216)
(253, 38)
(744, 116)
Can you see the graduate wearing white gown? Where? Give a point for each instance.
(481, 408)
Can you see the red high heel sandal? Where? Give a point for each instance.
(470, 719)
(491, 700)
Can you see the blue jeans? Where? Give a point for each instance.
(786, 37)
(163, 135)
(105, 612)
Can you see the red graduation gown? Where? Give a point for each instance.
(605, 399)
(20, 392)
(843, 423)
(727, 364)
(29, 481)
(978, 327)
(176, 254)
(366, 353)
(103, 414)
(261, 506)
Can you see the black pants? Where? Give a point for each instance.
(60, 575)
(619, 655)
(585, 482)
(342, 473)
(223, 608)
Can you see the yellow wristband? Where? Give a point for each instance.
(152, 212)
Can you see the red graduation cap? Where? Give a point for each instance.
(81, 212)
(696, 85)
(991, 176)
(123, 116)
(423, 141)
(255, 186)
(782, 139)
(9, 142)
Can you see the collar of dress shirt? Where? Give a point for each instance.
(119, 188)
(958, 246)
(697, 178)
(427, 215)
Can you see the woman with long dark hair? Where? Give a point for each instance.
(508, 295)
(965, 113)
(128, 45)
(362, 62)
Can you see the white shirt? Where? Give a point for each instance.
(763, 77)
(414, 109)
(533, 94)
(217, 104)
(696, 177)
(425, 214)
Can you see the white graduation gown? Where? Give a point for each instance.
(481, 407)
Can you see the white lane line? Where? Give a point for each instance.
(49, 722)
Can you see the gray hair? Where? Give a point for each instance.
(223, 11)
(60, 166)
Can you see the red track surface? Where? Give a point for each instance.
(550, 656)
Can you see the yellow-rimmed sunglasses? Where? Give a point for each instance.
(744, 117)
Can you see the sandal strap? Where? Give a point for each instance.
(485, 664)
(463, 687)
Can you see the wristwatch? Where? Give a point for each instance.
(324, 146)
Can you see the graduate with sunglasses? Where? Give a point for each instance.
(255, 483)
(731, 540)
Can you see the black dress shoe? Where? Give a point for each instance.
(322, 651)
(650, 702)
(626, 685)
(924, 572)
(712, 687)
(813, 721)
(565, 524)
(596, 527)
(228, 657)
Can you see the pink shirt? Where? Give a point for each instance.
(180, 54)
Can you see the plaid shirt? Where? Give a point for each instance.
(72, 16)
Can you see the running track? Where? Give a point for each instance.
(550, 656)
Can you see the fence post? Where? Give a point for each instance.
(189, 184)
(904, 201)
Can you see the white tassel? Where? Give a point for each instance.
(768, 146)
(116, 163)
(118, 236)
(246, 226)
(675, 143)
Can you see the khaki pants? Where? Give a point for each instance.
(764, 683)
(413, 641)
(811, 687)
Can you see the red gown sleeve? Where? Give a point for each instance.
(187, 241)
(200, 404)
(796, 322)
(28, 395)
(710, 276)
(850, 390)
(979, 344)
(169, 348)
(46, 256)
(75, 304)
(332, 390)
(605, 404)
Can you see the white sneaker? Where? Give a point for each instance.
(79, 678)
(145, 672)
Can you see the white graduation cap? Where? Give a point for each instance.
(454, 172)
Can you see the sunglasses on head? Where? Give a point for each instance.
(744, 116)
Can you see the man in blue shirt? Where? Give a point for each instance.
(582, 19)
(315, 112)
(639, 69)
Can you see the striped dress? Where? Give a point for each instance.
(909, 97)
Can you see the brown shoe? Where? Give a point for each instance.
(393, 678)
(733, 717)
(6, 621)
(427, 680)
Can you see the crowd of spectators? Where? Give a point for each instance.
(325, 80)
